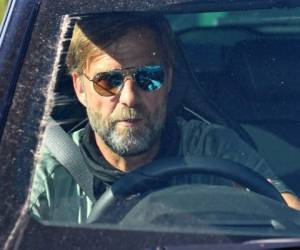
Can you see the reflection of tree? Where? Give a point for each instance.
(3, 4)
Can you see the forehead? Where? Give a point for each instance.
(137, 47)
(139, 39)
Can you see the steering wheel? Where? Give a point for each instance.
(154, 175)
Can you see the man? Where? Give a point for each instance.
(122, 68)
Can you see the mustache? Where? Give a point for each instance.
(126, 113)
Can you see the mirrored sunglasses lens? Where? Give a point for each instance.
(150, 78)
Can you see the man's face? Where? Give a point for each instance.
(131, 121)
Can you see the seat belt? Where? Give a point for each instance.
(68, 154)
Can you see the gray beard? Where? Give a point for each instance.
(129, 141)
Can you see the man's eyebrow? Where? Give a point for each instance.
(120, 68)
(100, 70)
(97, 71)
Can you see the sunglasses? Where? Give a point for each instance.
(149, 78)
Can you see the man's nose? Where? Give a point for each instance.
(129, 94)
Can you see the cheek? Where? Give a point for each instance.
(155, 100)
(102, 105)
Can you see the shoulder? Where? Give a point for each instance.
(202, 128)
(43, 172)
(212, 140)
(208, 139)
(215, 141)
(48, 173)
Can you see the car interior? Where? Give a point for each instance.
(253, 76)
(242, 75)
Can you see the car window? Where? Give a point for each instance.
(238, 65)
(227, 146)
(250, 65)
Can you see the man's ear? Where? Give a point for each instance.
(79, 88)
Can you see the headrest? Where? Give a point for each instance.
(267, 68)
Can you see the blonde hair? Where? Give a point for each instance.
(94, 34)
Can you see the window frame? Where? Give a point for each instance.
(24, 87)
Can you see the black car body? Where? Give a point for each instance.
(30, 42)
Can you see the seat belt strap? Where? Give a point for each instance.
(68, 154)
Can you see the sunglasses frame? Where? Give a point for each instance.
(124, 72)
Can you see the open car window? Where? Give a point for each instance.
(229, 72)
(235, 78)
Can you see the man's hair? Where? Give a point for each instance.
(93, 33)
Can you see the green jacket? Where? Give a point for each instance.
(56, 196)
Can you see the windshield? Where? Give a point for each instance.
(176, 123)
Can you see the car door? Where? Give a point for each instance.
(31, 45)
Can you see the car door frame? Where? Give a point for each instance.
(28, 57)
